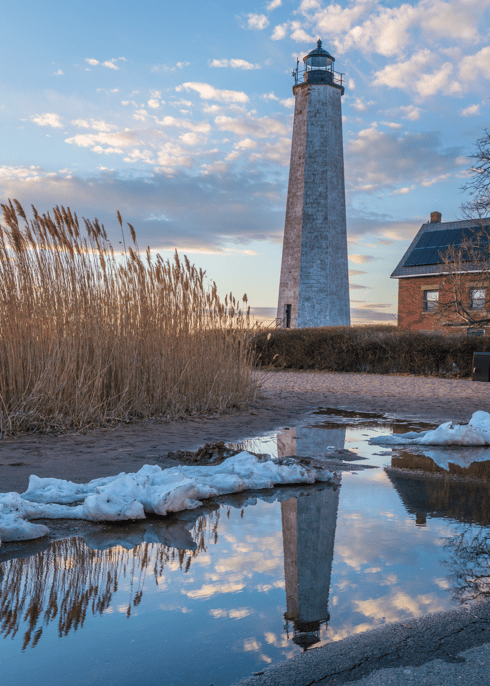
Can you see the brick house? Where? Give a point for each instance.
(424, 288)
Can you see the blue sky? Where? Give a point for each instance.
(180, 116)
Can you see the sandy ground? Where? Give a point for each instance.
(285, 398)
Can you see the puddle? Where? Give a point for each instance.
(211, 595)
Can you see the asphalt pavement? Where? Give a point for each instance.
(441, 649)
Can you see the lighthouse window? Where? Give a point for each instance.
(287, 316)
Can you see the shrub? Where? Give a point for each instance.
(374, 349)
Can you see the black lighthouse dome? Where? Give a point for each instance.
(319, 58)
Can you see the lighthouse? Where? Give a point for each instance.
(314, 285)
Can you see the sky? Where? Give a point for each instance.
(180, 116)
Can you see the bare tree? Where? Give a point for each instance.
(478, 186)
(465, 271)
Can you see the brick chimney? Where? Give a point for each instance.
(435, 217)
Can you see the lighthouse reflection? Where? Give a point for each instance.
(308, 530)
(107, 569)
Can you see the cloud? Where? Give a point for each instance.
(361, 315)
(450, 19)
(357, 287)
(384, 31)
(280, 31)
(269, 96)
(11, 174)
(166, 211)
(47, 119)
(118, 140)
(246, 144)
(391, 124)
(379, 158)
(208, 92)
(273, 4)
(470, 111)
(288, 102)
(257, 21)
(299, 34)
(199, 126)
(370, 26)
(409, 112)
(278, 152)
(158, 68)
(401, 75)
(360, 105)
(473, 67)
(193, 138)
(234, 64)
(58, 73)
(402, 191)
(97, 124)
(110, 64)
(153, 144)
(361, 259)
(383, 227)
(260, 127)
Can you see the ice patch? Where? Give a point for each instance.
(463, 458)
(475, 433)
(150, 490)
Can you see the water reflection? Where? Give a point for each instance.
(64, 581)
(426, 485)
(310, 441)
(308, 530)
(427, 490)
(73, 577)
(470, 462)
(206, 593)
(468, 559)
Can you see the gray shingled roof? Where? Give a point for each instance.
(425, 270)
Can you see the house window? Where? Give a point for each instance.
(287, 312)
(477, 298)
(431, 300)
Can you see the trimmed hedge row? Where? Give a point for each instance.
(372, 349)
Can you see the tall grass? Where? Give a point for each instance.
(88, 338)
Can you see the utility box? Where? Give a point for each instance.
(481, 367)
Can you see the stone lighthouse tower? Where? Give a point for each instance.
(314, 286)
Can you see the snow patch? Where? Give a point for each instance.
(150, 490)
(475, 433)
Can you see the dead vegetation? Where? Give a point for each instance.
(89, 337)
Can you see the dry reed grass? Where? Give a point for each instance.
(88, 338)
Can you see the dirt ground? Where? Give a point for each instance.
(285, 398)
